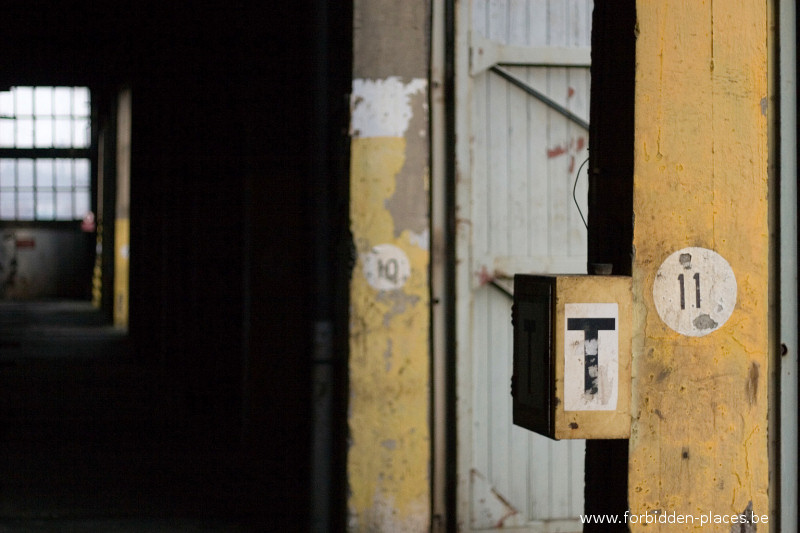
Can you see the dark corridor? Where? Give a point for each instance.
(201, 412)
(88, 432)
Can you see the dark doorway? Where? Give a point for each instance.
(201, 411)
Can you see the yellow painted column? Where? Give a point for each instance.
(122, 223)
(389, 457)
(699, 435)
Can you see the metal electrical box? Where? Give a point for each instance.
(572, 355)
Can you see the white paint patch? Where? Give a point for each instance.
(382, 108)
(591, 356)
(386, 267)
(695, 291)
(422, 239)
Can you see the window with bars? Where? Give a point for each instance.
(45, 153)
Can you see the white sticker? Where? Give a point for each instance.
(591, 357)
(695, 291)
(386, 267)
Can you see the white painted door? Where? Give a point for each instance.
(517, 162)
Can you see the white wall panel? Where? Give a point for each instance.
(517, 162)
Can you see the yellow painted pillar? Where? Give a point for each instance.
(122, 223)
(388, 461)
(699, 434)
(389, 457)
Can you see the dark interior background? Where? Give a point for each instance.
(226, 115)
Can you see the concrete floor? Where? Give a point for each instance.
(92, 440)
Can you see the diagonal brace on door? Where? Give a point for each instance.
(539, 96)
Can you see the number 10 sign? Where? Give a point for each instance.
(695, 291)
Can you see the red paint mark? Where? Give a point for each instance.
(509, 509)
(555, 152)
(570, 92)
(484, 276)
(571, 147)
(26, 243)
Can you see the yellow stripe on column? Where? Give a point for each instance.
(121, 271)
(699, 430)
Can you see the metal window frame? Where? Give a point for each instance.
(35, 153)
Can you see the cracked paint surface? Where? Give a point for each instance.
(389, 456)
(699, 428)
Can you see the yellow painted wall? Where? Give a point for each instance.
(699, 434)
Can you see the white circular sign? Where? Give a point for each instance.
(386, 267)
(695, 291)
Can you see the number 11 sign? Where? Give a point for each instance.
(695, 291)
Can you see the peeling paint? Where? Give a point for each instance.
(704, 322)
(409, 204)
(399, 302)
(382, 108)
(422, 239)
(389, 457)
